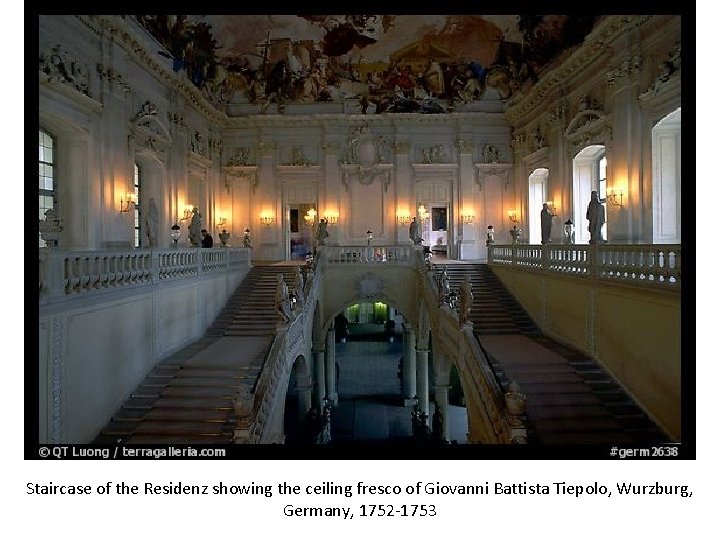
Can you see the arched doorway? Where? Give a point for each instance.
(589, 174)
(666, 179)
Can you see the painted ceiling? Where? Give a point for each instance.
(423, 63)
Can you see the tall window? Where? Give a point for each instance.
(602, 189)
(47, 176)
(136, 184)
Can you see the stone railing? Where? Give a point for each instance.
(253, 415)
(403, 255)
(67, 274)
(648, 264)
(489, 420)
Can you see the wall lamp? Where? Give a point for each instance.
(422, 212)
(267, 220)
(126, 201)
(187, 213)
(404, 219)
(512, 216)
(221, 221)
(310, 216)
(332, 219)
(612, 198)
(467, 218)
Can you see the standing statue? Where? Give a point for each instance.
(545, 224)
(444, 286)
(515, 234)
(415, 232)
(322, 232)
(50, 228)
(246, 239)
(194, 228)
(151, 224)
(224, 237)
(466, 300)
(596, 216)
(282, 300)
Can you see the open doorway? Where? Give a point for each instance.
(299, 230)
(537, 195)
(666, 179)
(589, 174)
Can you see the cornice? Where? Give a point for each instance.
(595, 44)
(104, 25)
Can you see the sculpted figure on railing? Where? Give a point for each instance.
(596, 217)
(299, 287)
(415, 232)
(466, 301)
(151, 224)
(194, 228)
(282, 300)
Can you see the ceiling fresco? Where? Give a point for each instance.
(385, 63)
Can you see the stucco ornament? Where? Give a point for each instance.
(369, 285)
(366, 158)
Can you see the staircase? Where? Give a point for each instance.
(188, 397)
(571, 399)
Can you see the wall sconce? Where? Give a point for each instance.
(403, 219)
(267, 220)
(310, 216)
(512, 216)
(333, 219)
(612, 198)
(125, 202)
(368, 236)
(221, 221)
(467, 218)
(551, 208)
(187, 213)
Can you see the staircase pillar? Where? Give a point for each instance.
(319, 386)
(441, 401)
(409, 376)
(423, 390)
(331, 382)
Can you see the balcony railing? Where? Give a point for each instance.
(66, 274)
(402, 255)
(647, 265)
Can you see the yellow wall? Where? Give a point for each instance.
(634, 332)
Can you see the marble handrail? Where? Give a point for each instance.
(394, 254)
(657, 265)
(65, 274)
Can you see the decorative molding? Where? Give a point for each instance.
(266, 148)
(110, 75)
(490, 154)
(465, 146)
(199, 145)
(538, 158)
(331, 147)
(433, 154)
(626, 72)
(402, 147)
(244, 172)
(587, 127)
(58, 66)
(595, 44)
(488, 170)
(668, 71)
(147, 131)
(369, 285)
(298, 158)
(366, 158)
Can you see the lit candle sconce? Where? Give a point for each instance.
(551, 208)
(221, 221)
(310, 216)
(403, 218)
(126, 201)
(332, 218)
(267, 219)
(512, 216)
(467, 217)
(615, 198)
(187, 213)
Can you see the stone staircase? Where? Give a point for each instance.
(188, 397)
(571, 399)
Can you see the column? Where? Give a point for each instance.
(304, 399)
(408, 368)
(331, 383)
(423, 391)
(319, 386)
(441, 401)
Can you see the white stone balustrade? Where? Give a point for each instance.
(404, 255)
(646, 264)
(65, 274)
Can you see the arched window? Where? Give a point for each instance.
(47, 175)
(666, 154)
(136, 184)
(589, 174)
